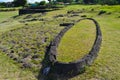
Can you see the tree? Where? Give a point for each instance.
(67, 1)
(109, 2)
(2, 4)
(19, 2)
(88, 1)
(49, 1)
(42, 3)
(59, 0)
(118, 1)
(76, 0)
(79, 1)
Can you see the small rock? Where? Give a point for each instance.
(26, 65)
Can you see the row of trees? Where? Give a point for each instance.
(15, 3)
(109, 2)
(19, 2)
(2, 4)
(65, 1)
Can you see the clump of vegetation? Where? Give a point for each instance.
(92, 9)
(42, 3)
(83, 15)
(101, 12)
(60, 15)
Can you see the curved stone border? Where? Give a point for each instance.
(66, 70)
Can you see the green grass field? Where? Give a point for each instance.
(22, 33)
(9, 69)
(72, 47)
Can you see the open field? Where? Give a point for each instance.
(23, 41)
